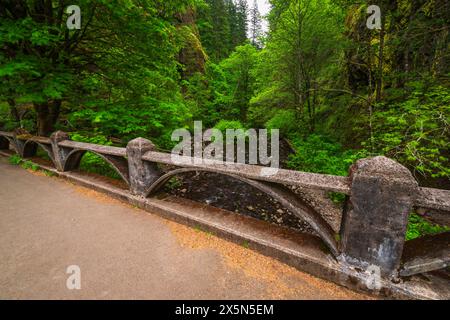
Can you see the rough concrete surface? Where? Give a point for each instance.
(47, 224)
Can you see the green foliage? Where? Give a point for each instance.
(42, 154)
(305, 38)
(15, 159)
(334, 88)
(4, 114)
(239, 75)
(173, 183)
(416, 131)
(223, 125)
(284, 120)
(123, 58)
(156, 121)
(27, 164)
(49, 173)
(418, 227)
(225, 90)
(223, 26)
(319, 154)
(336, 197)
(93, 163)
(9, 123)
(200, 96)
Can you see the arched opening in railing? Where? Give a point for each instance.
(4, 142)
(8, 142)
(283, 195)
(118, 167)
(30, 147)
(427, 242)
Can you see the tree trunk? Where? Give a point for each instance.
(13, 110)
(380, 62)
(191, 55)
(370, 90)
(314, 104)
(47, 116)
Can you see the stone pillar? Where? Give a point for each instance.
(60, 154)
(142, 173)
(376, 215)
(25, 150)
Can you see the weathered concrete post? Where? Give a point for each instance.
(59, 153)
(376, 214)
(25, 150)
(142, 173)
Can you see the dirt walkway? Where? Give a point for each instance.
(47, 225)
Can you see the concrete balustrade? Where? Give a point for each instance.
(381, 194)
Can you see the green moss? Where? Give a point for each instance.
(418, 227)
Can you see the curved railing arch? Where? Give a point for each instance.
(7, 139)
(73, 159)
(30, 147)
(12, 143)
(280, 193)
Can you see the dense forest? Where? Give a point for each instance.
(336, 89)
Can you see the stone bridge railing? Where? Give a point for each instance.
(380, 196)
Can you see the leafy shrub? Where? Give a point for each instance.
(92, 162)
(96, 139)
(26, 164)
(29, 165)
(223, 125)
(49, 173)
(42, 154)
(418, 227)
(15, 159)
(284, 120)
(7, 123)
(153, 120)
(416, 131)
(319, 154)
(173, 183)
